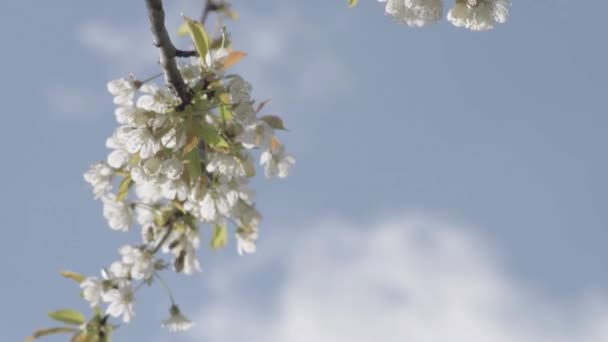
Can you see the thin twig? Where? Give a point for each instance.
(163, 239)
(185, 53)
(210, 6)
(168, 52)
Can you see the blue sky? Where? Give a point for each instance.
(449, 184)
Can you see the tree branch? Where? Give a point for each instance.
(210, 6)
(168, 52)
(185, 53)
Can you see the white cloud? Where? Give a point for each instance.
(407, 279)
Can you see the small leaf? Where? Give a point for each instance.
(220, 236)
(183, 30)
(211, 136)
(50, 331)
(67, 316)
(225, 98)
(199, 37)
(262, 105)
(233, 58)
(274, 122)
(225, 113)
(194, 166)
(81, 336)
(123, 188)
(352, 3)
(79, 278)
(192, 144)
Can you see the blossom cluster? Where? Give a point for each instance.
(476, 15)
(172, 168)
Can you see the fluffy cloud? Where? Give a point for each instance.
(407, 279)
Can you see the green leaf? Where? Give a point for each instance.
(274, 122)
(199, 36)
(79, 278)
(193, 165)
(352, 3)
(123, 188)
(225, 113)
(50, 331)
(183, 29)
(67, 316)
(211, 136)
(191, 144)
(82, 336)
(220, 236)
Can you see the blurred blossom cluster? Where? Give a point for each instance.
(476, 15)
(174, 171)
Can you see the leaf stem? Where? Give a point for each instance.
(165, 286)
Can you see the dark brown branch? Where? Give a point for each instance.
(210, 6)
(185, 53)
(168, 52)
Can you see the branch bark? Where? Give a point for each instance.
(210, 6)
(185, 53)
(168, 52)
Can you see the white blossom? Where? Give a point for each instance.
(120, 301)
(216, 203)
(118, 213)
(190, 71)
(173, 168)
(174, 138)
(238, 190)
(92, 289)
(148, 192)
(246, 240)
(479, 15)
(100, 178)
(414, 12)
(215, 59)
(259, 135)
(239, 89)
(276, 162)
(245, 215)
(123, 91)
(183, 246)
(157, 100)
(152, 166)
(227, 165)
(141, 140)
(140, 261)
(144, 215)
(118, 158)
(118, 270)
(119, 137)
(176, 321)
(174, 189)
(191, 263)
(131, 116)
(244, 113)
